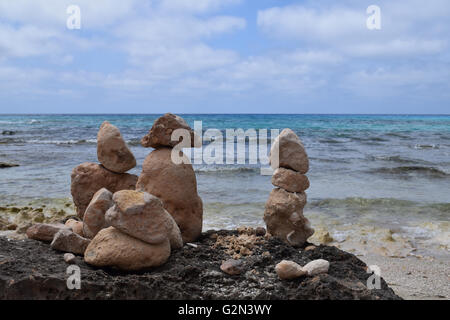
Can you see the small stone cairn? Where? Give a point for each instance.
(130, 222)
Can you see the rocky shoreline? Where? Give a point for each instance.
(33, 270)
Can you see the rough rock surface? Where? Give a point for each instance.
(88, 178)
(69, 241)
(32, 270)
(290, 180)
(288, 152)
(160, 134)
(44, 232)
(176, 186)
(140, 215)
(94, 216)
(284, 217)
(112, 150)
(112, 248)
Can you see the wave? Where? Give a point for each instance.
(397, 159)
(367, 203)
(63, 142)
(225, 169)
(405, 170)
(426, 146)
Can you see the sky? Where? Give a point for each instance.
(224, 56)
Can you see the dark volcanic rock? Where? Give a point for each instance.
(32, 270)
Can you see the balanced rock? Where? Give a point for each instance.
(140, 215)
(113, 248)
(316, 267)
(44, 232)
(76, 226)
(112, 150)
(94, 216)
(88, 178)
(176, 186)
(288, 152)
(160, 134)
(287, 270)
(68, 241)
(284, 217)
(290, 180)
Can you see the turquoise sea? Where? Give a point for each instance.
(383, 171)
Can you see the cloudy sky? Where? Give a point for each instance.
(224, 56)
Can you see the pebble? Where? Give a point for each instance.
(69, 258)
(232, 267)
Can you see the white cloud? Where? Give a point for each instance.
(94, 14)
(196, 6)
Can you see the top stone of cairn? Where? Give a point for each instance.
(112, 150)
(160, 135)
(288, 152)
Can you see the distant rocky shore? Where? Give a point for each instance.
(32, 270)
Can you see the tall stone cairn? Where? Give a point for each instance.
(283, 213)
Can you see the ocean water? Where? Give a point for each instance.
(379, 171)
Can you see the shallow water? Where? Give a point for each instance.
(390, 172)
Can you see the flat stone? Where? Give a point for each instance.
(44, 232)
(290, 180)
(68, 241)
(140, 215)
(113, 248)
(160, 134)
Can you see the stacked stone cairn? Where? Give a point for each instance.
(284, 209)
(130, 222)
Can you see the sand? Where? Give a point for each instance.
(414, 278)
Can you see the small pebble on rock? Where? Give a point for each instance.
(232, 267)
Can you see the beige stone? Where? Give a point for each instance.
(176, 186)
(160, 134)
(290, 180)
(140, 215)
(44, 232)
(69, 258)
(112, 150)
(287, 270)
(284, 217)
(113, 248)
(68, 241)
(76, 226)
(88, 178)
(288, 152)
(316, 267)
(94, 217)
